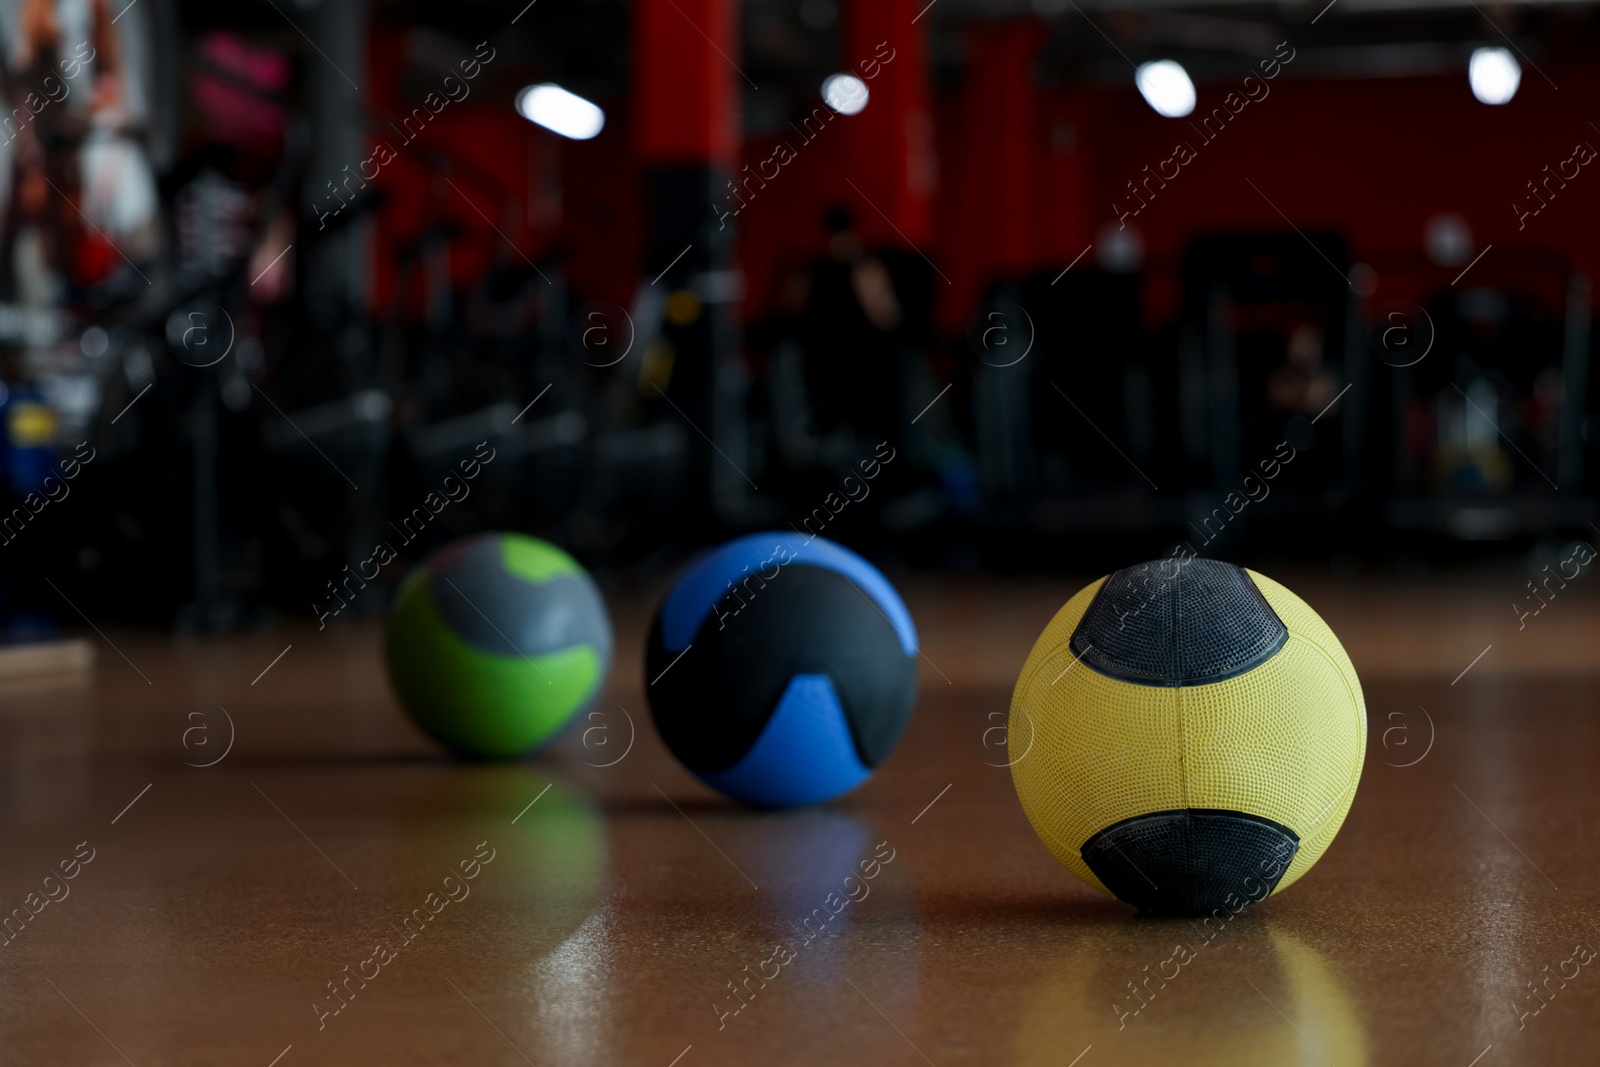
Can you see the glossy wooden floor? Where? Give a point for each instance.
(1453, 921)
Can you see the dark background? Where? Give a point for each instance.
(274, 356)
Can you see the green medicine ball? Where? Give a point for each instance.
(496, 642)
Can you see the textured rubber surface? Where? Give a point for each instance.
(804, 756)
(1284, 741)
(1170, 623)
(488, 662)
(715, 696)
(1191, 862)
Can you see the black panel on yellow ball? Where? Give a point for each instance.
(1190, 862)
(1169, 624)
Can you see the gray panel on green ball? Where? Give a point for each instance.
(472, 586)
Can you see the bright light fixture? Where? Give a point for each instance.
(561, 112)
(1165, 86)
(1494, 74)
(845, 93)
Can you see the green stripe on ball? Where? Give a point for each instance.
(536, 560)
(472, 677)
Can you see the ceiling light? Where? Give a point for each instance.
(845, 93)
(1494, 74)
(561, 112)
(1165, 86)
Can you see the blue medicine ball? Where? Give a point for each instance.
(781, 669)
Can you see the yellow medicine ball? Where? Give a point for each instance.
(1187, 736)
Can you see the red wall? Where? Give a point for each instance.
(578, 201)
(1371, 158)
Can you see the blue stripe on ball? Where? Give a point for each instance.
(804, 756)
(703, 584)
